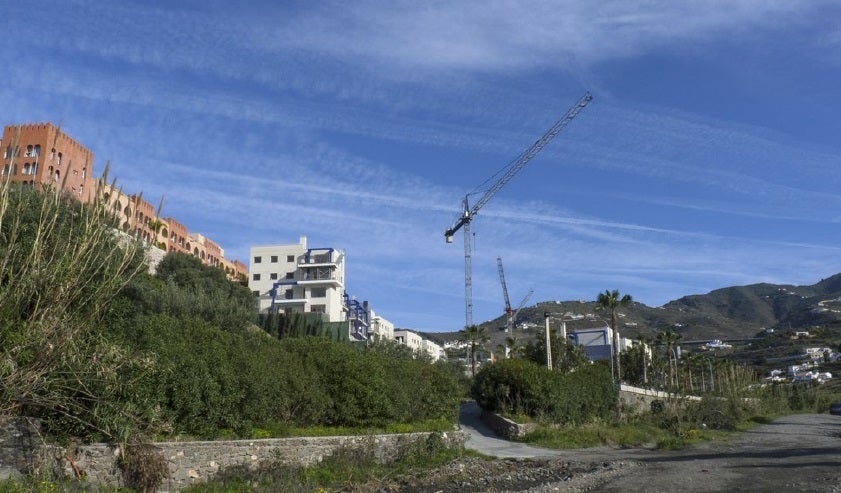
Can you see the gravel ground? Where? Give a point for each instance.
(472, 475)
(793, 454)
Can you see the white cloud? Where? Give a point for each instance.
(518, 34)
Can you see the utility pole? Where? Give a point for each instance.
(548, 342)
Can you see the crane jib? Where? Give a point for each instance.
(511, 170)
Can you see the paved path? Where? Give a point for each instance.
(484, 440)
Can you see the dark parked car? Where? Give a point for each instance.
(835, 408)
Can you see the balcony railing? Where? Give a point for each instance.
(321, 274)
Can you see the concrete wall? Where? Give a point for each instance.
(22, 451)
(640, 399)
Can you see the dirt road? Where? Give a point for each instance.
(799, 453)
(793, 454)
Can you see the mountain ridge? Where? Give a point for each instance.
(734, 312)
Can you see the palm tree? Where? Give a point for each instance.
(644, 341)
(690, 362)
(669, 339)
(475, 337)
(611, 301)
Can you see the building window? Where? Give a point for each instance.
(257, 260)
(29, 151)
(84, 172)
(52, 154)
(318, 308)
(59, 158)
(288, 294)
(274, 259)
(37, 150)
(290, 275)
(256, 293)
(318, 293)
(6, 168)
(273, 276)
(256, 277)
(290, 258)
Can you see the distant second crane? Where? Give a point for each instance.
(463, 222)
(510, 314)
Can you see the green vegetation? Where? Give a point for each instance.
(60, 268)
(610, 301)
(519, 386)
(101, 350)
(47, 485)
(565, 356)
(677, 422)
(221, 375)
(475, 338)
(596, 434)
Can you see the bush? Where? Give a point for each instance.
(209, 380)
(517, 386)
(99, 350)
(61, 268)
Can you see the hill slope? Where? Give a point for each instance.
(728, 313)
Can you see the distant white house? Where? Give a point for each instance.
(812, 376)
(380, 329)
(419, 344)
(717, 344)
(597, 342)
(817, 353)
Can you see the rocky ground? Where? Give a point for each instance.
(470, 475)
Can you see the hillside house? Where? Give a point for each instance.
(597, 342)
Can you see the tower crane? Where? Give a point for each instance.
(508, 310)
(463, 221)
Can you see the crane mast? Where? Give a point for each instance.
(463, 222)
(504, 286)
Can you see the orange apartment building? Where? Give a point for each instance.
(41, 155)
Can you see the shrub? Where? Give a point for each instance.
(60, 268)
(517, 386)
(144, 467)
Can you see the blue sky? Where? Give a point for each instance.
(709, 156)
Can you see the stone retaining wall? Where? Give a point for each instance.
(22, 451)
(21, 447)
(504, 427)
